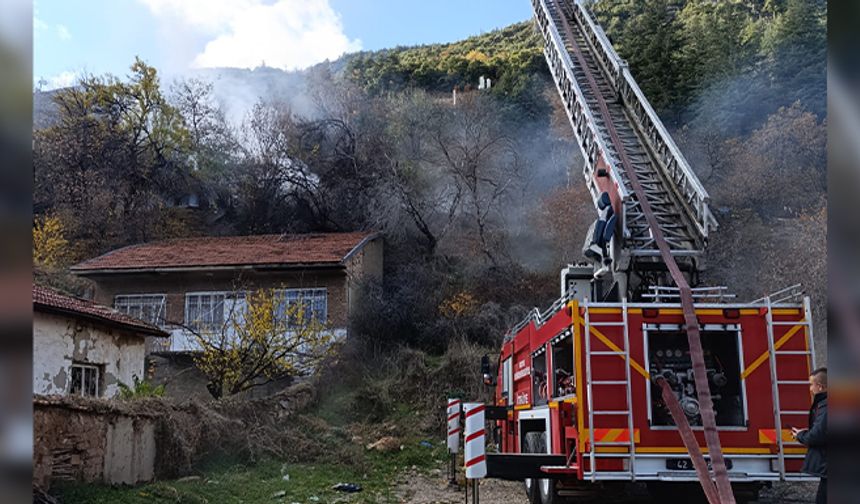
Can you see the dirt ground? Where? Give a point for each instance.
(434, 489)
(414, 488)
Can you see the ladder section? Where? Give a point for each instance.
(603, 418)
(678, 202)
(792, 357)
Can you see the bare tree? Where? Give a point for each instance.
(482, 161)
(204, 118)
(415, 187)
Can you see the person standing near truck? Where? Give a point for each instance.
(814, 438)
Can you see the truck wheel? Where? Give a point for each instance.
(532, 492)
(535, 442)
(548, 494)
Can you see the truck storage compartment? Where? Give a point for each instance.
(540, 392)
(668, 354)
(563, 383)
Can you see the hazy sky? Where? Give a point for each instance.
(99, 36)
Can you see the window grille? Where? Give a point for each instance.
(210, 311)
(315, 303)
(147, 307)
(85, 380)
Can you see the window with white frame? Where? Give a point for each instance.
(210, 311)
(85, 380)
(315, 303)
(147, 307)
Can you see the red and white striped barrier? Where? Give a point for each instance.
(476, 460)
(453, 425)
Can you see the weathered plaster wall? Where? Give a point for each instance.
(76, 443)
(58, 341)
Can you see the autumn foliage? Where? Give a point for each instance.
(267, 339)
(50, 247)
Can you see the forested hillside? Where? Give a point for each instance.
(510, 57)
(725, 64)
(480, 203)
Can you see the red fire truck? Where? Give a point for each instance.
(632, 373)
(576, 401)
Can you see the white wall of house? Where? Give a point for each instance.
(60, 341)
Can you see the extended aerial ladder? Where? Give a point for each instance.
(618, 131)
(662, 210)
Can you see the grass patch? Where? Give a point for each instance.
(259, 483)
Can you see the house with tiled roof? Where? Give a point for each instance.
(188, 283)
(84, 348)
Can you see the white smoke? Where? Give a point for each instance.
(286, 34)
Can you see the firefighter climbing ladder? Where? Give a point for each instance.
(624, 352)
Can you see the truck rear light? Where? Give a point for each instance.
(731, 313)
(650, 312)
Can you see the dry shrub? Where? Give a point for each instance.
(458, 375)
(388, 380)
(410, 378)
(375, 400)
(192, 433)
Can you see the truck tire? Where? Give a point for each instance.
(548, 493)
(532, 492)
(539, 491)
(534, 442)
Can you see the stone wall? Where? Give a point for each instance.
(78, 442)
(117, 442)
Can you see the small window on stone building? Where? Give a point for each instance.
(85, 380)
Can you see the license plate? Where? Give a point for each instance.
(685, 464)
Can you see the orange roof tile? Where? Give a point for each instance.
(46, 299)
(260, 250)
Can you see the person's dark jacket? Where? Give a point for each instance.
(814, 439)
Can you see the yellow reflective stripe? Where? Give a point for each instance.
(786, 311)
(604, 311)
(779, 344)
(577, 352)
(682, 450)
(768, 436)
(678, 311)
(606, 435)
(633, 364)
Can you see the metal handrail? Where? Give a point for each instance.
(561, 66)
(677, 166)
(781, 296)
